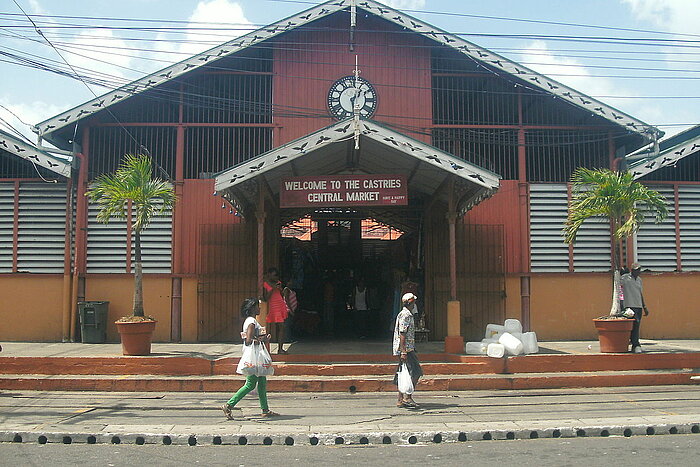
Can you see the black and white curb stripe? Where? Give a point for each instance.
(328, 439)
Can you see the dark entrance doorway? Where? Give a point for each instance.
(347, 269)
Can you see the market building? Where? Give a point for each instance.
(343, 142)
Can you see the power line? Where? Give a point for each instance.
(38, 31)
(554, 75)
(427, 12)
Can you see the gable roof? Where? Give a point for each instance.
(671, 150)
(496, 63)
(16, 147)
(381, 151)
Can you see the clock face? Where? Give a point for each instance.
(343, 96)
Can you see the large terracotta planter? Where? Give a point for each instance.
(614, 334)
(136, 337)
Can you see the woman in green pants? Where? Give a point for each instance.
(254, 335)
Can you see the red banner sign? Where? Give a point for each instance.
(344, 190)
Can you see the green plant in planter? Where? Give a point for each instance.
(132, 186)
(617, 197)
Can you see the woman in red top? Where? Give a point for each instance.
(277, 310)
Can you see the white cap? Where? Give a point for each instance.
(408, 296)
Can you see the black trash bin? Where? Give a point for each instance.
(93, 322)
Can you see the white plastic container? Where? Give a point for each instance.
(492, 340)
(512, 326)
(529, 341)
(475, 348)
(512, 345)
(495, 350)
(494, 331)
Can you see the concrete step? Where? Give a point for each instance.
(358, 383)
(347, 364)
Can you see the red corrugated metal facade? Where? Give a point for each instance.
(503, 209)
(245, 104)
(306, 63)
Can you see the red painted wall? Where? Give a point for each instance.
(502, 208)
(199, 206)
(303, 74)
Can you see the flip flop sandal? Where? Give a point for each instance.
(269, 414)
(228, 411)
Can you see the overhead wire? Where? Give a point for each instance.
(467, 90)
(141, 146)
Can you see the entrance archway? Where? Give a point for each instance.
(349, 179)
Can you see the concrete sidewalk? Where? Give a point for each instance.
(372, 347)
(345, 418)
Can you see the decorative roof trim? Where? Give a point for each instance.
(31, 153)
(343, 131)
(481, 55)
(666, 158)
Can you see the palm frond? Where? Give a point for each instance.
(132, 184)
(616, 196)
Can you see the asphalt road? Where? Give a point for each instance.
(675, 450)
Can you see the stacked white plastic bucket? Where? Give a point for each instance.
(502, 340)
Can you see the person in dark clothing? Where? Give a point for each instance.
(634, 299)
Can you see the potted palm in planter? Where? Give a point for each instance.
(133, 188)
(617, 197)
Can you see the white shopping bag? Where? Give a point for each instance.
(263, 361)
(248, 361)
(405, 381)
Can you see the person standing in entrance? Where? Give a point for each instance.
(276, 307)
(254, 335)
(404, 347)
(359, 303)
(634, 299)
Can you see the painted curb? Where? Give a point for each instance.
(340, 438)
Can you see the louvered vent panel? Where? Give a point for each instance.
(106, 244)
(7, 216)
(689, 217)
(549, 253)
(592, 247)
(156, 244)
(42, 227)
(656, 243)
(548, 205)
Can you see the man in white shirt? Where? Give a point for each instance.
(634, 299)
(404, 347)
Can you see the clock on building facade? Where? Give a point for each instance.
(344, 94)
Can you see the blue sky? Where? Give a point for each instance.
(641, 56)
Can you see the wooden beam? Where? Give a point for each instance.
(414, 170)
(265, 187)
(452, 219)
(438, 191)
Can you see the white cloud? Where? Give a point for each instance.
(677, 16)
(538, 57)
(29, 113)
(36, 8)
(212, 22)
(405, 4)
(101, 51)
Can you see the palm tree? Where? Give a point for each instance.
(132, 187)
(615, 196)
